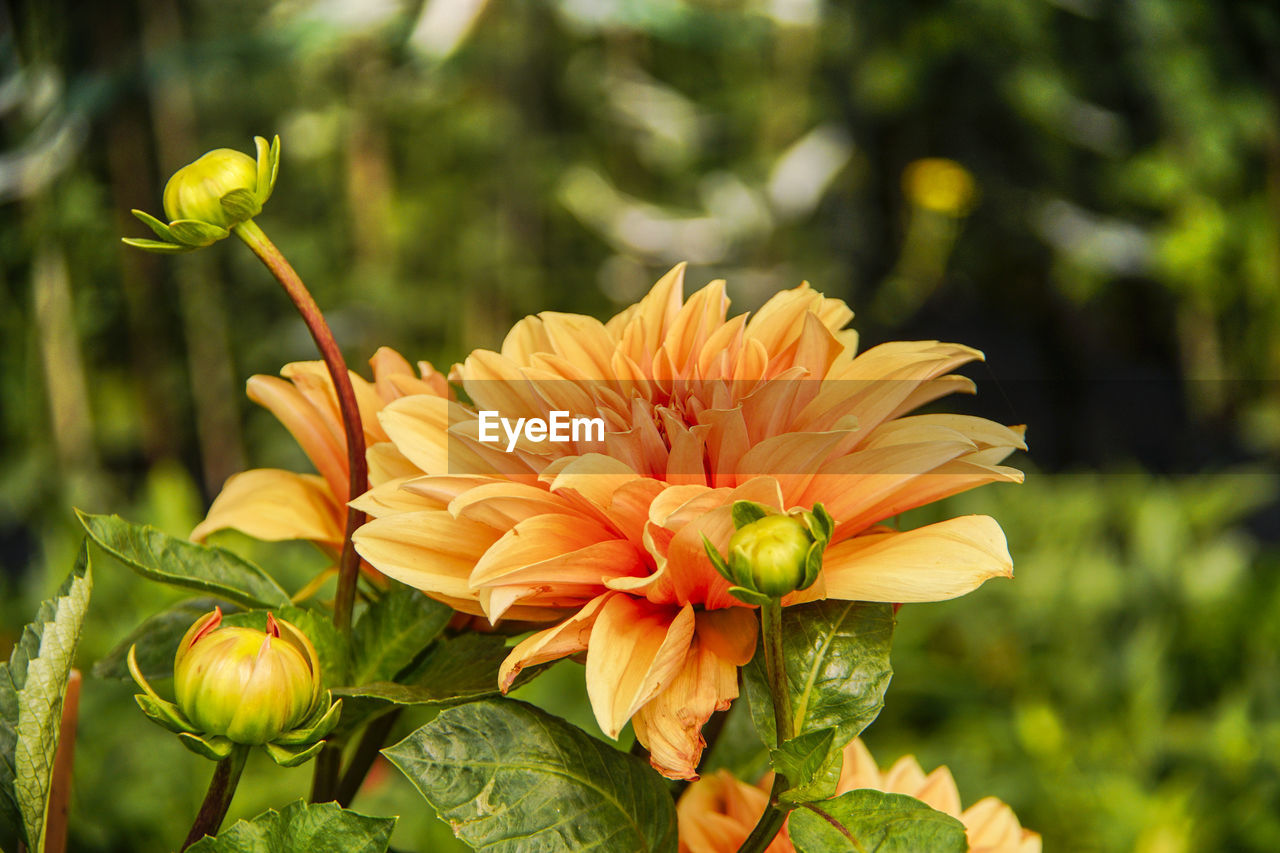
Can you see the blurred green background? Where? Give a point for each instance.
(1104, 224)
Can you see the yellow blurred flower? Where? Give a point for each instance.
(603, 536)
(717, 813)
(940, 185)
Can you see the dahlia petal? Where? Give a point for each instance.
(419, 428)
(555, 549)
(636, 649)
(939, 790)
(272, 505)
(992, 827)
(944, 427)
(730, 633)
(392, 498)
(906, 776)
(582, 341)
(670, 724)
(641, 329)
(429, 550)
(931, 563)
(387, 463)
(694, 324)
(502, 505)
(858, 769)
(312, 379)
(567, 638)
(526, 338)
(866, 486)
(327, 451)
(393, 377)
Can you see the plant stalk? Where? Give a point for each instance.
(349, 563)
(324, 781)
(55, 826)
(222, 787)
(770, 823)
(365, 754)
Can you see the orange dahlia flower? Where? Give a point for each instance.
(718, 812)
(602, 535)
(272, 504)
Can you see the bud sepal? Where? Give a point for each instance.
(244, 687)
(207, 198)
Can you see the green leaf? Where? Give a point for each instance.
(293, 755)
(509, 778)
(870, 821)
(810, 765)
(160, 557)
(212, 747)
(837, 660)
(157, 640)
(156, 246)
(393, 632)
(240, 204)
(302, 828)
(331, 647)
(32, 686)
(194, 232)
(716, 558)
(746, 512)
(161, 230)
(458, 669)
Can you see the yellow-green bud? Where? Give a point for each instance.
(196, 190)
(246, 684)
(771, 552)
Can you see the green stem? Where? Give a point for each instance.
(324, 781)
(349, 564)
(222, 787)
(774, 816)
(366, 753)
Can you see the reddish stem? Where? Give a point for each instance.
(349, 563)
(55, 832)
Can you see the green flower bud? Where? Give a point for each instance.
(247, 685)
(195, 191)
(769, 555)
(206, 199)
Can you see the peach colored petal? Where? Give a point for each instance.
(502, 505)
(858, 769)
(393, 498)
(325, 450)
(387, 463)
(272, 505)
(717, 812)
(670, 724)
(567, 638)
(636, 649)
(419, 427)
(994, 828)
(555, 549)
(729, 633)
(429, 549)
(642, 328)
(931, 563)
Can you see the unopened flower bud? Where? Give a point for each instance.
(196, 190)
(206, 199)
(247, 685)
(769, 555)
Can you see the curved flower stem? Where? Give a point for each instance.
(349, 564)
(222, 787)
(774, 816)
